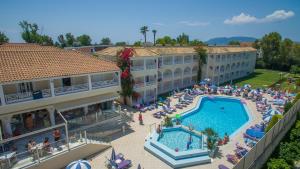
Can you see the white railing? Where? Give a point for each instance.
(167, 77)
(138, 85)
(150, 66)
(106, 83)
(188, 61)
(150, 83)
(26, 96)
(178, 61)
(137, 68)
(71, 89)
(177, 75)
(168, 62)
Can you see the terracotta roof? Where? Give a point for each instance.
(157, 51)
(29, 61)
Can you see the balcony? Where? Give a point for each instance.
(26, 96)
(150, 66)
(106, 83)
(71, 89)
(137, 68)
(139, 85)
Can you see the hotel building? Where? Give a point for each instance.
(38, 84)
(158, 70)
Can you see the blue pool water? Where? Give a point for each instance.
(178, 138)
(224, 115)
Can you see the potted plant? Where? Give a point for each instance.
(211, 140)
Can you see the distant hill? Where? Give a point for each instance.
(225, 41)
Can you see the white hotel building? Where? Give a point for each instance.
(37, 82)
(157, 70)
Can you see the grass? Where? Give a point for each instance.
(261, 78)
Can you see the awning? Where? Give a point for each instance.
(85, 102)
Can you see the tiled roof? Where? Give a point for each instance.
(156, 51)
(29, 61)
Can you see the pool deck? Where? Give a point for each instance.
(132, 145)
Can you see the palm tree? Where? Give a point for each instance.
(144, 31)
(154, 34)
(202, 57)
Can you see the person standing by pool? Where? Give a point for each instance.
(141, 118)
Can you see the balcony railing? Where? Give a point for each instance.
(71, 89)
(167, 77)
(26, 96)
(137, 68)
(138, 85)
(168, 62)
(187, 73)
(151, 66)
(188, 61)
(178, 61)
(150, 83)
(106, 83)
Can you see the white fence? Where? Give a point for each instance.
(261, 152)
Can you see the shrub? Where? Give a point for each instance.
(168, 122)
(273, 121)
(278, 164)
(295, 132)
(296, 98)
(287, 106)
(290, 152)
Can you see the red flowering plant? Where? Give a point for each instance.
(126, 78)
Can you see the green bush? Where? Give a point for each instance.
(290, 152)
(273, 121)
(295, 132)
(288, 106)
(296, 98)
(278, 164)
(168, 122)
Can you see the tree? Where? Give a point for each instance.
(295, 133)
(212, 138)
(290, 151)
(202, 58)
(294, 69)
(286, 48)
(30, 34)
(270, 45)
(137, 43)
(166, 40)
(46, 40)
(196, 42)
(144, 31)
(3, 38)
(105, 41)
(84, 40)
(154, 34)
(234, 42)
(121, 44)
(183, 39)
(62, 41)
(70, 39)
(273, 121)
(278, 164)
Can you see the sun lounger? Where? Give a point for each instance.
(221, 166)
(157, 115)
(124, 164)
(232, 158)
(255, 133)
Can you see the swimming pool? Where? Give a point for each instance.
(223, 114)
(178, 139)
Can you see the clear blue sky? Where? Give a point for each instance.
(121, 19)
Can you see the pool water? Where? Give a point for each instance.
(178, 139)
(224, 115)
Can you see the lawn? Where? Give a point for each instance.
(260, 78)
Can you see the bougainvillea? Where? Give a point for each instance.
(126, 77)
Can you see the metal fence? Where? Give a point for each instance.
(261, 152)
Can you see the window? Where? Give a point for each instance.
(66, 81)
(25, 87)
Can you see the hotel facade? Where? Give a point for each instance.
(38, 84)
(158, 70)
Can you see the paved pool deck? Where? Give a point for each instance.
(132, 145)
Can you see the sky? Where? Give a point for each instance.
(120, 20)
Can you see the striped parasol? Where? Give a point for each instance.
(80, 164)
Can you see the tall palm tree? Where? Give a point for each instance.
(144, 31)
(154, 34)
